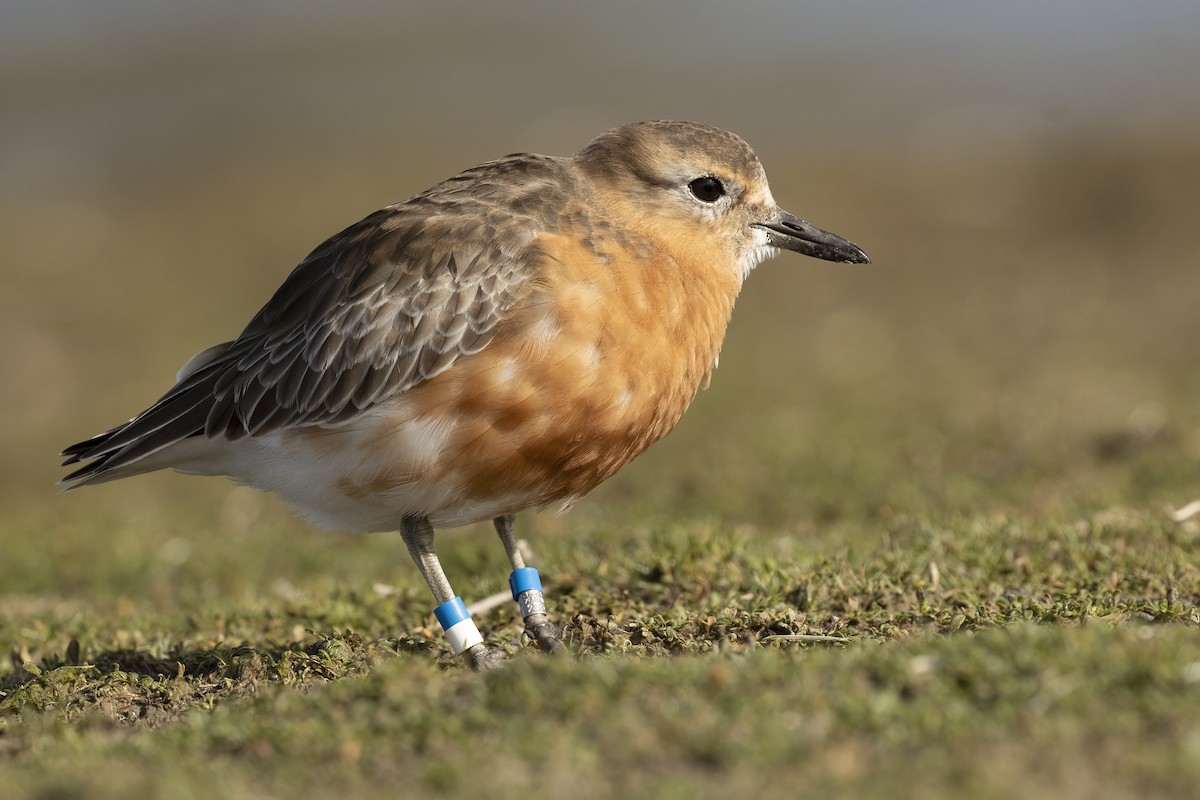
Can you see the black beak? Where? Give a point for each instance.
(793, 233)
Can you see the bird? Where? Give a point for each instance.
(504, 341)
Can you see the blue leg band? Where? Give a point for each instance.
(456, 621)
(451, 612)
(522, 580)
(526, 588)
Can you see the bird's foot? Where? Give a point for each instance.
(526, 587)
(548, 635)
(482, 659)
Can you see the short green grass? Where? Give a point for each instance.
(972, 657)
(914, 541)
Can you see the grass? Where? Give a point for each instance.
(914, 539)
(706, 660)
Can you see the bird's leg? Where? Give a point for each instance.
(526, 587)
(451, 613)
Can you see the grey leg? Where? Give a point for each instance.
(418, 536)
(504, 527)
(533, 607)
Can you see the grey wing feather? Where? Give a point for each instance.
(354, 337)
(375, 310)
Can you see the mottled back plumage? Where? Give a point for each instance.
(387, 303)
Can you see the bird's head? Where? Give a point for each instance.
(686, 179)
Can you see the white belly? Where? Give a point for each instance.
(322, 479)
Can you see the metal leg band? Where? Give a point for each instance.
(526, 586)
(531, 601)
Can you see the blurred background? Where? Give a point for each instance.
(1023, 174)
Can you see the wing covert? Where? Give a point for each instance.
(376, 310)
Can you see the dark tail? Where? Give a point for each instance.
(179, 414)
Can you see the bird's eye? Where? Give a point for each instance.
(707, 189)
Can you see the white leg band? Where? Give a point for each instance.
(462, 635)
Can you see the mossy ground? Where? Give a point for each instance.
(913, 541)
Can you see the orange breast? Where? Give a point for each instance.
(596, 365)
